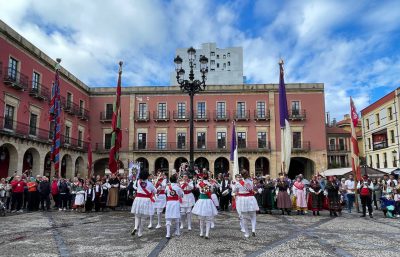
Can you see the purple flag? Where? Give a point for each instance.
(233, 143)
(283, 110)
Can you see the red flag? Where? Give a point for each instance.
(355, 159)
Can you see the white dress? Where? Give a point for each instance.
(80, 198)
(204, 207)
(247, 202)
(172, 210)
(188, 199)
(161, 200)
(144, 205)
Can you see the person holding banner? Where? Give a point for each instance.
(143, 205)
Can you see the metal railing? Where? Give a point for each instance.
(39, 91)
(201, 115)
(83, 113)
(261, 115)
(297, 114)
(338, 148)
(180, 116)
(301, 146)
(241, 115)
(161, 116)
(106, 116)
(15, 79)
(141, 116)
(221, 116)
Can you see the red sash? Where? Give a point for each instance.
(184, 185)
(147, 193)
(159, 181)
(187, 192)
(246, 194)
(173, 197)
(202, 185)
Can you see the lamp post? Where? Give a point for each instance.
(191, 86)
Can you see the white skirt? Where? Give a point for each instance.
(172, 210)
(246, 204)
(143, 206)
(205, 208)
(214, 198)
(79, 199)
(188, 201)
(161, 201)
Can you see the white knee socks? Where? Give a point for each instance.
(151, 221)
(253, 221)
(208, 225)
(189, 220)
(177, 231)
(168, 225)
(158, 219)
(202, 227)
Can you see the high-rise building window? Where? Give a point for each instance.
(142, 111)
(12, 68)
(221, 140)
(142, 140)
(107, 141)
(221, 110)
(260, 109)
(32, 124)
(35, 81)
(241, 139)
(262, 140)
(241, 110)
(161, 141)
(201, 110)
(295, 107)
(181, 144)
(297, 140)
(9, 117)
(162, 110)
(201, 140)
(181, 110)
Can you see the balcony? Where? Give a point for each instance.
(102, 148)
(180, 116)
(15, 79)
(161, 116)
(73, 143)
(106, 117)
(261, 116)
(69, 107)
(395, 164)
(380, 145)
(295, 114)
(39, 91)
(242, 115)
(301, 147)
(221, 116)
(140, 116)
(338, 148)
(83, 114)
(201, 115)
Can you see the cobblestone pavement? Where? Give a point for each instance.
(108, 234)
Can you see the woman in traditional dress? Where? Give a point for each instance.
(143, 205)
(315, 197)
(188, 201)
(172, 210)
(300, 193)
(268, 194)
(161, 200)
(79, 197)
(246, 203)
(332, 191)
(113, 192)
(283, 200)
(204, 207)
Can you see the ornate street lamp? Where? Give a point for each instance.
(191, 86)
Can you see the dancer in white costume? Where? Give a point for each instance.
(161, 199)
(246, 203)
(143, 205)
(204, 207)
(188, 201)
(172, 211)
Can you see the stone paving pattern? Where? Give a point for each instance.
(108, 234)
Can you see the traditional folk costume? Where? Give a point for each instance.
(205, 208)
(365, 188)
(89, 199)
(98, 193)
(300, 192)
(226, 193)
(161, 201)
(283, 198)
(79, 197)
(113, 193)
(268, 195)
(315, 197)
(106, 186)
(246, 205)
(214, 189)
(187, 203)
(143, 205)
(172, 211)
(123, 194)
(332, 192)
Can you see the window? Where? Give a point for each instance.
(217, 56)
(262, 140)
(181, 140)
(9, 117)
(142, 140)
(161, 141)
(378, 121)
(260, 109)
(221, 113)
(12, 68)
(341, 144)
(80, 136)
(295, 107)
(241, 139)
(229, 54)
(390, 113)
(367, 123)
(332, 144)
(109, 111)
(392, 139)
(229, 64)
(51, 130)
(32, 124)
(107, 141)
(69, 100)
(394, 160)
(224, 66)
(142, 111)
(217, 65)
(377, 161)
(212, 62)
(385, 160)
(221, 140)
(181, 110)
(162, 110)
(81, 107)
(370, 160)
(201, 140)
(67, 134)
(369, 143)
(224, 56)
(201, 110)
(212, 53)
(297, 140)
(241, 110)
(212, 69)
(35, 81)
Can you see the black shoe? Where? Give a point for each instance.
(133, 232)
(288, 213)
(317, 213)
(253, 234)
(334, 214)
(313, 213)
(283, 212)
(298, 212)
(371, 216)
(302, 212)
(362, 216)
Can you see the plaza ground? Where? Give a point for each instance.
(108, 234)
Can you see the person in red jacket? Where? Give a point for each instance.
(17, 187)
(55, 193)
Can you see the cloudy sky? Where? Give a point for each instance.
(351, 46)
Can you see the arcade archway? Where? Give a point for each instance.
(244, 164)
(202, 163)
(178, 162)
(8, 160)
(144, 164)
(262, 166)
(221, 165)
(161, 164)
(31, 162)
(301, 165)
(66, 166)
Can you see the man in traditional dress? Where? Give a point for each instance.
(225, 193)
(161, 199)
(365, 188)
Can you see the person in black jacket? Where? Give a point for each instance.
(225, 192)
(44, 189)
(63, 191)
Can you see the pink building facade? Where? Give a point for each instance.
(155, 121)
